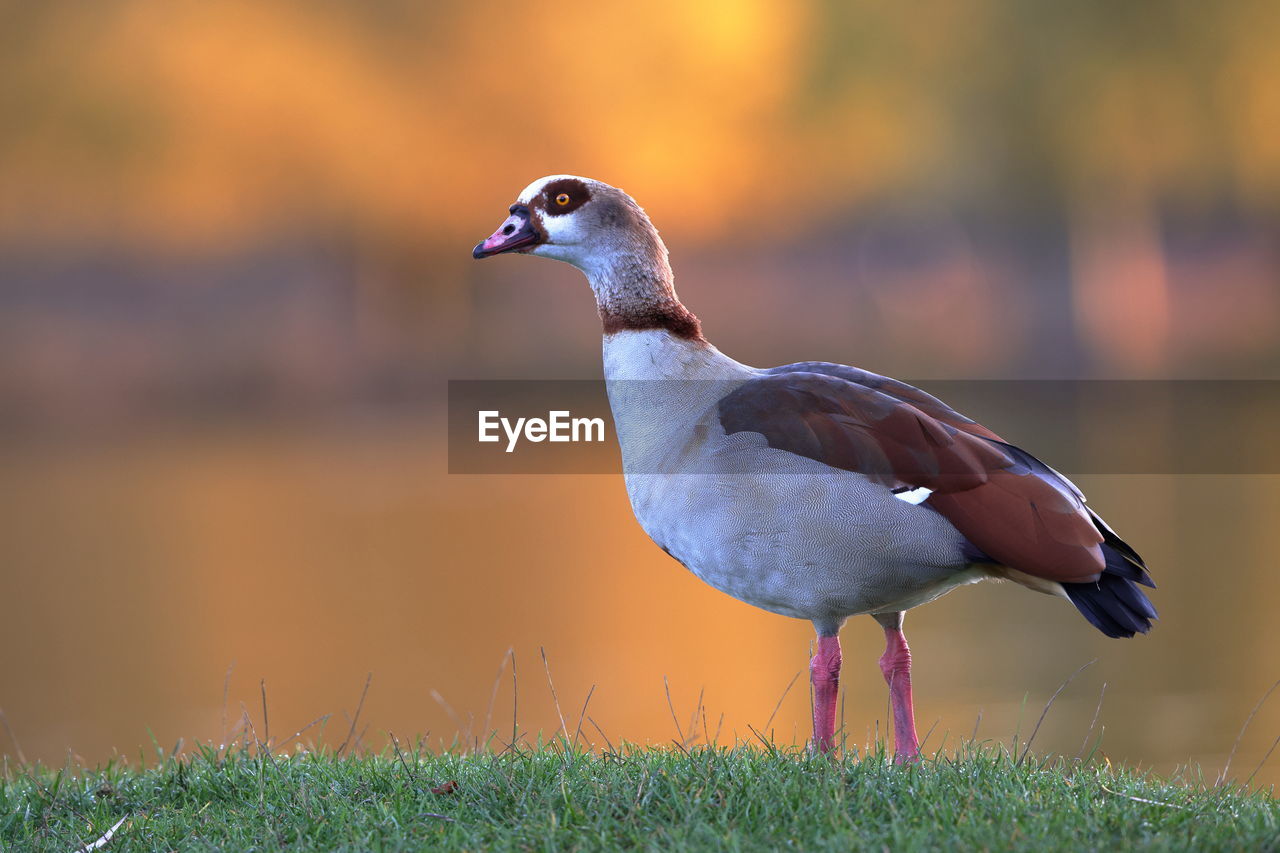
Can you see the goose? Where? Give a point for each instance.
(813, 490)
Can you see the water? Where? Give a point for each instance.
(139, 570)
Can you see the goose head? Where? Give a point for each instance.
(583, 222)
(602, 231)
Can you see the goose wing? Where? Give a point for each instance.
(1008, 504)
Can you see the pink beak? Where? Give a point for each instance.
(515, 234)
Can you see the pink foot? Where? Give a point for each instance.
(824, 671)
(896, 666)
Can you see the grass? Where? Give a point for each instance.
(253, 794)
(552, 796)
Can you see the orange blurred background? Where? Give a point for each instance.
(235, 276)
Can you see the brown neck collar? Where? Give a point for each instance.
(670, 316)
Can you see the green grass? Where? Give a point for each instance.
(550, 798)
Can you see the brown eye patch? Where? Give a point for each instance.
(564, 196)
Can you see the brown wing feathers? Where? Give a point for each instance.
(849, 426)
(923, 401)
(1025, 524)
(1006, 503)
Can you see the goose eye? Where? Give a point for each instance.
(562, 199)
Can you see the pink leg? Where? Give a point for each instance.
(824, 671)
(896, 666)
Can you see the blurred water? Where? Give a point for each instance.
(139, 569)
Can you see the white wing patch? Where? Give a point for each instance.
(914, 496)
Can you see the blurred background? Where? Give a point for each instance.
(235, 277)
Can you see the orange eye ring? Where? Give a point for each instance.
(562, 199)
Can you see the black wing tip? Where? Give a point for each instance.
(1121, 558)
(1113, 604)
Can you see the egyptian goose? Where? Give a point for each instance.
(813, 490)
